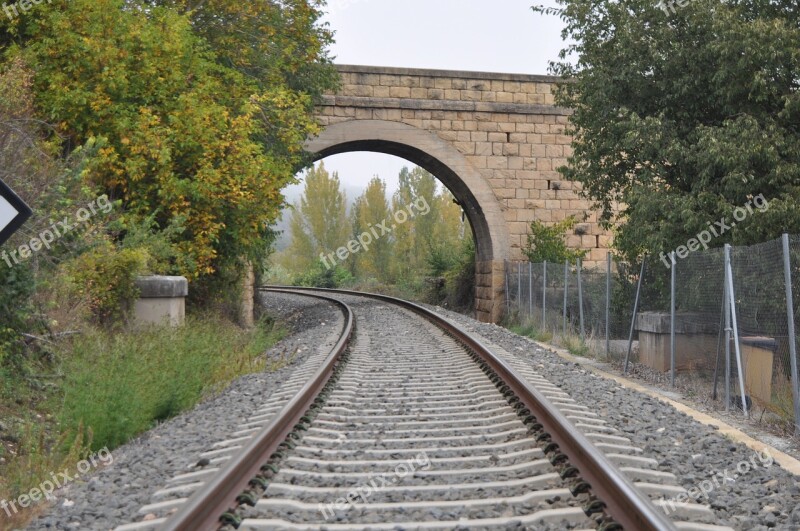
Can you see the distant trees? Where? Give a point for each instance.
(421, 232)
(371, 210)
(683, 113)
(416, 240)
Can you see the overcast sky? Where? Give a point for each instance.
(478, 35)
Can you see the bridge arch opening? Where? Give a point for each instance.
(429, 152)
(440, 158)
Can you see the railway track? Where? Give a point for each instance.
(411, 423)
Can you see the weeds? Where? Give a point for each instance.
(107, 387)
(576, 346)
(120, 385)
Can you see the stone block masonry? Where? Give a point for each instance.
(505, 132)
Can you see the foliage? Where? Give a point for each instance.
(427, 253)
(547, 243)
(576, 346)
(16, 288)
(528, 329)
(320, 276)
(31, 165)
(106, 276)
(415, 240)
(119, 385)
(370, 210)
(37, 462)
(683, 115)
(204, 144)
(319, 221)
(459, 280)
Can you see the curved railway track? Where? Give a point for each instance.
(409, 422)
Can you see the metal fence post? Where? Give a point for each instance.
(735, 326)
(727, 310)
(544, 296)
(508, 295)
(608, 305)
(579, 265)
(519, 287)
(672, 318)
(530, 290)
(633, 317)
(566, 287)
(787, 273)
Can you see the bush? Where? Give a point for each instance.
(547, 243)
(452, 280)
(16, 288)
(321, 277)
(106, 276)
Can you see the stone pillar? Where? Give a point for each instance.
(162, 300)
(489, 290)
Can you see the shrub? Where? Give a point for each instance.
(106, 276)
(547, 243)
(321, 277)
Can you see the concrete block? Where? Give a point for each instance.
(162, 300)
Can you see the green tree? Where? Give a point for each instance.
(417, 237)
(451, 235)
(682, 114)
(371, 211)
(319, 222)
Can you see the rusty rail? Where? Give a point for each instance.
(203, 509)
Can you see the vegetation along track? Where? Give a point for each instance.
(411, 423)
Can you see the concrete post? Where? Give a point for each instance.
(162, 300)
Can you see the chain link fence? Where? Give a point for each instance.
(725, 339)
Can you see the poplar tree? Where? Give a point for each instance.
(319, 222)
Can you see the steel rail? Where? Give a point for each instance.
(626, 504)
(204, 508)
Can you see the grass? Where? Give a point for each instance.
(531, 331)
(101, 389)
(121, 385)
(526, 327)
(576, 346)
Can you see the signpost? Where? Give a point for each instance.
(13, 212)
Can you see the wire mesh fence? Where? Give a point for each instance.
(729, 342)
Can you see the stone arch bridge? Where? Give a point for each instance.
(495, 140)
